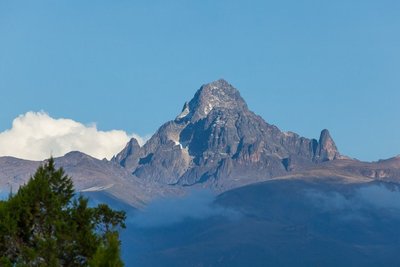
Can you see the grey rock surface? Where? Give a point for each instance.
(217, 140)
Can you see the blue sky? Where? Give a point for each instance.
(130, 65)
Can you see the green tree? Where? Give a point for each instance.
(45, 224)
(108, 254)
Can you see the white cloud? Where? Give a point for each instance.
(36, 136)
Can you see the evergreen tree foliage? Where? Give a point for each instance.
(45, 224)
(108, 254)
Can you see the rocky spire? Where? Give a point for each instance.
(327, 149)
(130, 152)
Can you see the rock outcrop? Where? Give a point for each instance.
(128, 157)
(327, 149)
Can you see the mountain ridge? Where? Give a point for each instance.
(215, 133)
(217, 143)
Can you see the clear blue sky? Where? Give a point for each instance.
(302, 65)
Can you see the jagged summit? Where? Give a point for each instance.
(216, 143)
(131, 148)
(215, 95)
(217, 140)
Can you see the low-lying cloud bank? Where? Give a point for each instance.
(36, 136)
(361, 202)
(198, 204)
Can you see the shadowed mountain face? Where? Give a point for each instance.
(287, 222)
(217, 140)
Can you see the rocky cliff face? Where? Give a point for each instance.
(128, 157)
(327, 149)
(217, 139)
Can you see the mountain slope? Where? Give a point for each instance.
(89, 175)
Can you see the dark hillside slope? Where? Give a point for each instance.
(281, 223)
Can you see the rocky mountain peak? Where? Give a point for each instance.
(216, 139)
(217, 94)
(327, 149)
(131, 149)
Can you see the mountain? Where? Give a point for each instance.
(216, 140)
(217, 143)
(272, 198)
